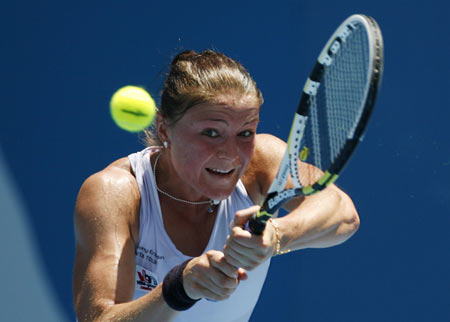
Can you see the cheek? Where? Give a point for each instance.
(190, 152)
(246, 152)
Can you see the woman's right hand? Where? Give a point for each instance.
(210, 276)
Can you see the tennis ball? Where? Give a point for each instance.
(132, 108)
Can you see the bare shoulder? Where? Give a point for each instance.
(108, 197)
(269, 146)
(263, 167)
(106, 228)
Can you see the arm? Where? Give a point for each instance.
(321, 220)
(106, 227)
(325, 219)
(105, 224)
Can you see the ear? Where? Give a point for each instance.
(161, 127)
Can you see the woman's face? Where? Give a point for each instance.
(211, 146)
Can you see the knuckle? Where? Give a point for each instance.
(235, 262)
(248, 267)
(226, 294)
(232, 261)
(251, 265)
(228, 282)
(201, 264)
(262, 256)
(213, 255)
(234, 231)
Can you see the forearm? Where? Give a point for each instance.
(150, 307)
(322, 220)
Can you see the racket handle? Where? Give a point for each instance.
(257, 223)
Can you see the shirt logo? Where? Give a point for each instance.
(145, 280)
(148, 255)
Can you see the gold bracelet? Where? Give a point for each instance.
(278, 250)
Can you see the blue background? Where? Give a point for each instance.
(61, 61)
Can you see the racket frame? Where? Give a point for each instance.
(277, 196)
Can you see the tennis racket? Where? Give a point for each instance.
(332, 115)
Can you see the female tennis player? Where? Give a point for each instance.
(160, 234)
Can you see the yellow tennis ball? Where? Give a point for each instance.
(132, 108)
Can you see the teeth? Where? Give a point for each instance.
(221, 171)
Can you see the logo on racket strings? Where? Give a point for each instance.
(304, 153)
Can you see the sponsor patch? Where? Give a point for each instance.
(145, 280)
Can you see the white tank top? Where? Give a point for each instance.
(156, 254)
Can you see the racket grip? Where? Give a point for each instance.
(255, 226)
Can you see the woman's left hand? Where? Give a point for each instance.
(244, 249)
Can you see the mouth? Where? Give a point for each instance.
(220, 172)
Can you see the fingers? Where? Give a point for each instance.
(242, 274)
(240, 256)
(242, 216)
(220, 263)
(215, 275)
(247, 258)
(244, 249)
(210, 276)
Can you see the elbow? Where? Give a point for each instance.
(349, 218)
(93, 312)
(353, 222)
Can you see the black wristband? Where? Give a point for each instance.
(173, 289)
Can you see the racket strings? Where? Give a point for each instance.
(338, 105)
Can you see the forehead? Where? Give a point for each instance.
(239, 110)
(236, 100)
(228, 104)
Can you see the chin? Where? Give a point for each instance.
(220, 193)
(220, 186)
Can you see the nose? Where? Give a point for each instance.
(229, 150)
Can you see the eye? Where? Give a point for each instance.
(246, 133)
(211, 133)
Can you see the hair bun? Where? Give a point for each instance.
(185, 55)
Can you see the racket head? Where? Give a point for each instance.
(339, 97)
(336, 104)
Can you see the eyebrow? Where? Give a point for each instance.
(256, 119)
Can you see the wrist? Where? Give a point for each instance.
(173, 290)
(277, 247)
